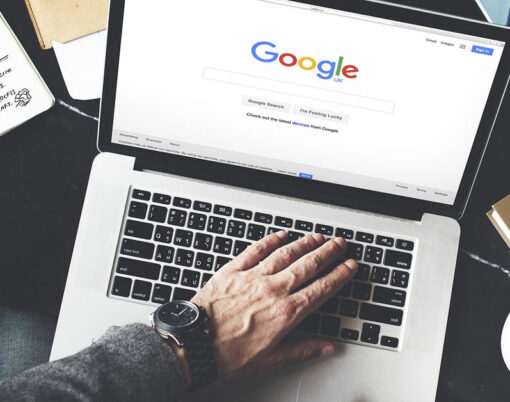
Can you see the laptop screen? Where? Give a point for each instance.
(306, 91)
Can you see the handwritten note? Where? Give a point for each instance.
(23, 93)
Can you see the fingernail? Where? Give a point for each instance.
(282, 234)
(318, 237)
(351, 264)
(340, 241)
(327, 351)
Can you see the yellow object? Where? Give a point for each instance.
(499, 215)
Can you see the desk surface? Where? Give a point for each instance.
(44, 168)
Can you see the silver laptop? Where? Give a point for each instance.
(223, 121)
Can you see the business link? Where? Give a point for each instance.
(292, 123)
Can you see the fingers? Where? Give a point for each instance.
(290, 253)
(310, 265)
(259, 250)
(311, 297)
(296, 350)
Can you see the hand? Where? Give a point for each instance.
(259, 297)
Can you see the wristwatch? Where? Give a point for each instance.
(187, 326)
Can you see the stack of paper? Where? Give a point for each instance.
(499, 215)
(23, 93)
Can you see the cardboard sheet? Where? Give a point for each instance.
(66, 20)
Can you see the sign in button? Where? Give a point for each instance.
(482, 50)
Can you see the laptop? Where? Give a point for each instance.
(224, 121)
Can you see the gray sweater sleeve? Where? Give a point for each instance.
(130, 363)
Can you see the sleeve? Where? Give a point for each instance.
(130, 363)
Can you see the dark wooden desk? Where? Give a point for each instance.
(44, 168)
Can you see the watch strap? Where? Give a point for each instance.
(201, 362)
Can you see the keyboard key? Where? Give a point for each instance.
(143, 230)
(137, 248)
(363, 272)
(389, 296)
(141, 195)
(204, 261)
(205, 279)
(349, 308)
(263, 218)
(389, 342)
(364, 237)
(345, 233)
(183, 294)
(163, 234)
(142, 269)
(398, 259)
(255, 232)
(141, 290)
(362, 291)
(121, 286)
(171, 274)
(216, 225)
(190, 278)
(386, 315)
(281, 221)
(161, 294)
(351, 334)
(399, 279)
(370, 333)
(354, 250)
(165, 254)
(220, 262)
(203, 241)
(177, 217)
(310, 323)
(330, 326)
(405, 245)
(330, 307)
(157, 213)
(161, 199)
(346, 290)
(222, 210)
(202, 206)
(239, 247)
(243, 214)
(384, 241)
(197, 221)
(271, 230)
(293, 236)
(304, 226)
(183, 238)
(222, 245)
(184, 257)
(137, 210)
(236, 228)
(182, 202)
(380, 275)
(373, 254)
(324, 229)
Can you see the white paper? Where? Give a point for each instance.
(23, 93)
(81, 62)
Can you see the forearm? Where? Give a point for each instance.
(130, 363)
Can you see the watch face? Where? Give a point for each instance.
(178, 314)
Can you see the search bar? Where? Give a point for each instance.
(303, 91)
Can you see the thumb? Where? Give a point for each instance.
(293, 350)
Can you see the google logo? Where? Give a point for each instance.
(327, 69)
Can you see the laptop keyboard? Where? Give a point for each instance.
(171, 246)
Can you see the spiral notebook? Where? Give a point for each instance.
(23, 93)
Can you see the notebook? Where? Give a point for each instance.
(499, 215)
(23, 93)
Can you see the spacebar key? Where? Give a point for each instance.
(137, 248)
(385, 315)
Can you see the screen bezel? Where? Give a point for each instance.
(311, 189)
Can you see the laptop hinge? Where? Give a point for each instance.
(222, 174)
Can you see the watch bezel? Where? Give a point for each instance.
(168, 329)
